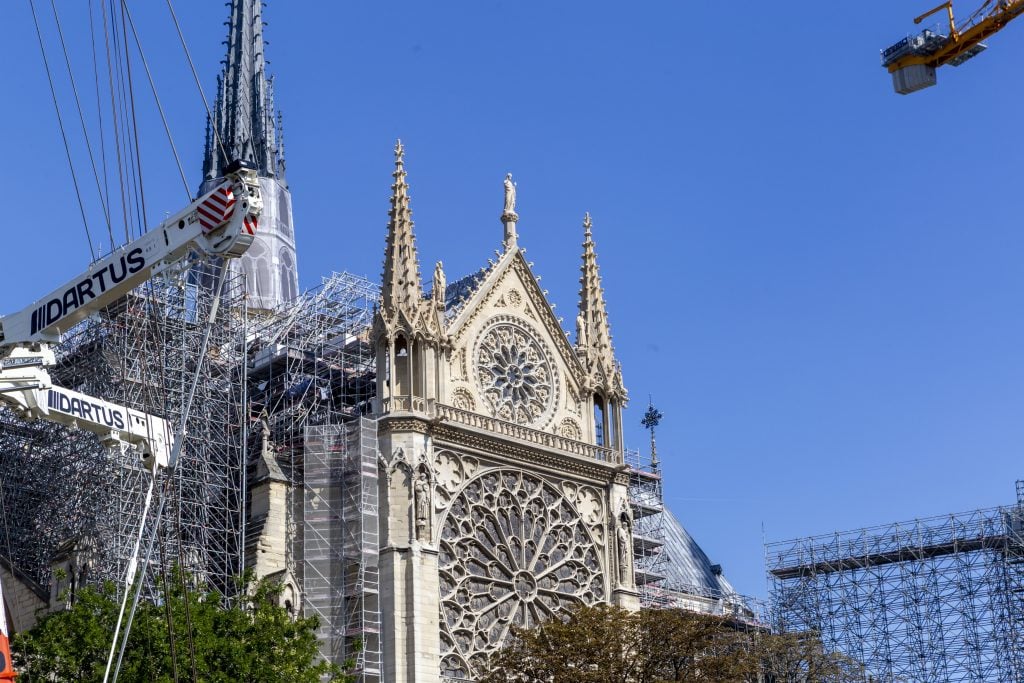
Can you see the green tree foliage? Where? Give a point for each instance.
(253, 640)
(603, 644)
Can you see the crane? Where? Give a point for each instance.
(912, 61)
(222, 222)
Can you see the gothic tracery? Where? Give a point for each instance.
(513, 550)
(515, 373)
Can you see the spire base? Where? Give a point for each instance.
(509, 220)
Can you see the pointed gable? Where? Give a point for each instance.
(511, 358)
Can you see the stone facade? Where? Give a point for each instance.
(503, 488)
(25, 601)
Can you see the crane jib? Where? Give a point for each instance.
(84, 291)
(94, 411)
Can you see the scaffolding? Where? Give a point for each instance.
(647, 503)
(341, 582)
(938, 599)
(309, 363)
(60, 486)
(311, 368)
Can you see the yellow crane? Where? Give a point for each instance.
(913, 60)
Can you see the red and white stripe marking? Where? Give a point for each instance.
(217, 209)
(249, 223)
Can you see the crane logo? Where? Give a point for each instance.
(113, 272)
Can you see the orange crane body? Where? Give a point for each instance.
(912, 61)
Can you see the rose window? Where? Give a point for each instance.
(516, 377)
(513, 551)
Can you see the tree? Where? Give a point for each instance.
(604, 644)
(802, 657)
(253, 639)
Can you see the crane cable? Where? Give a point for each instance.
(107, 32)
(63, 133)
(99, 116)
(140, 195)
(81, 118)
(156, 97)
(155, 328)
(199, 87)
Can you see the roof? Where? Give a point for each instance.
(459, 292)
(688, 567)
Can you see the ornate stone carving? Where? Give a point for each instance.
(570, 429)
(624, 544)
(573, 402)
(513, 550)
(510, 196)
(459, 365)
(517, 378)
(440, 285)
(462, 398)
(421, 506)
(513, 297)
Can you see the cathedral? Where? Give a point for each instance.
(503, 491)
(444, 466)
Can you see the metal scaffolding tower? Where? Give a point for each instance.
(341, 582)
(310, 363)
(938, 599)
(311, 368)
(647, 503)
(60, 486)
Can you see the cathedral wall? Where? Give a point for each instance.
(23, 601)
(517, 544)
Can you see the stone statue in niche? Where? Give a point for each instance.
(581, 330)
(267, 449)
(439, 284)
(421, 506)
(624, 539)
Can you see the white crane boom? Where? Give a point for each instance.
(220, 223)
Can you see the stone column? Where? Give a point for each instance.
(410, 592)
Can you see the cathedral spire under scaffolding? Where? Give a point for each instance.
(245, 126)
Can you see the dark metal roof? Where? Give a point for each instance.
(688, 567)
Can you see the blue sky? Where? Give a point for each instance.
(818, 281)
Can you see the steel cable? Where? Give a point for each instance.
(63, 134)
(156, 97)
(81, 118)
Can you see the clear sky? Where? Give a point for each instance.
(819, 282)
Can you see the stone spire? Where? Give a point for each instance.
(244, 125)
(401, 290)
(593, 334)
